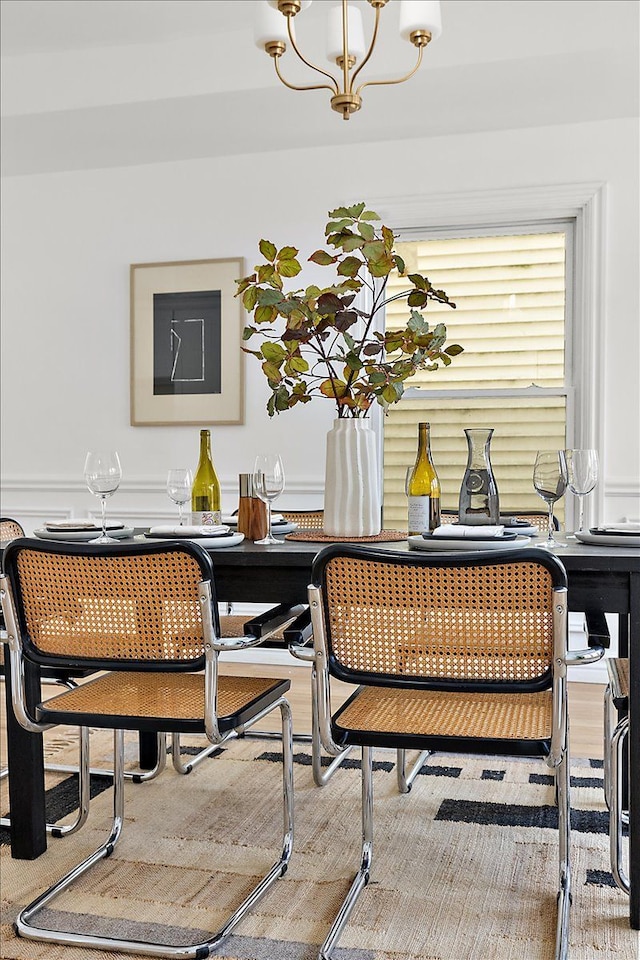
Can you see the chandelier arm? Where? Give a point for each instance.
(374, 38)
(311, 66)
(382, 83)
(291, 86)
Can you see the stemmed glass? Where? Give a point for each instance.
(582, 470)
(550, 482)
(102, 474)
(268, 483)
(179, 483)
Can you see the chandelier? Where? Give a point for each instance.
(419, 23)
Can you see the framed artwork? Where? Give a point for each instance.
(187, 366)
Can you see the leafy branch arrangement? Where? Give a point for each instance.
(315, 342)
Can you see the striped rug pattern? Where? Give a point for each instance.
(464, 866)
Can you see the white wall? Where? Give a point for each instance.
(68, 240)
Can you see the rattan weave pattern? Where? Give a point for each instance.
(520, 716)
(309, 519)
(177, 696)
(10, 529)
(141, 607)
(480, 623)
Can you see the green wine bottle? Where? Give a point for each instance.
(205, 493)
(423, 487)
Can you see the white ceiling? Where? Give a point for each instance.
(94, 83)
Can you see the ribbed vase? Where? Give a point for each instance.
(352, 506)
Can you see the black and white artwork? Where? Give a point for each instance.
(187, 343)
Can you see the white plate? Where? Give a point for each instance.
(278, 529)
(607, 539)
(459, 543)
(209, 543)
(82, 536)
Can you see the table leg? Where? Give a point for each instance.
(634, 750)
(26, 777)
(148, 747)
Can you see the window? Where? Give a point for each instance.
(513, 291)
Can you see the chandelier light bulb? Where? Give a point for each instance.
(420, 16)
(270, 27)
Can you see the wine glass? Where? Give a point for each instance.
(102, 474)
(268, 483)
(550, 482)
(582, 471)
(179, 483)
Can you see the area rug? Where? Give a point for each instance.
(464, 866)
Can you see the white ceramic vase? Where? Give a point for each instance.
(352, 505)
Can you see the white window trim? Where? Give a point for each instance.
(582, 202)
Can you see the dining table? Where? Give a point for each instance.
(601, 579)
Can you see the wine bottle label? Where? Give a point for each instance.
(424, 514)
(206, 518)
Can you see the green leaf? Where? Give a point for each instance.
(269, 297)
(322, 257)
(267, 249)
(337, 226)
(273, 352)
(248, 332)
(282, 399)
(375, 250)
(287, 253)
(289, 268)
(265, 314)
(333, 388)
(271, 405)
(353, 362)
(244, 283)
(454, 349)
(417, 280)
(349, 266)
(400, 264)
(369, 215)
(271, 372)
(356, 210)
(352, 242)
(250, 298)
(381, 267)
(417, 323)
(366, 230)
(266, 272)
(339, 212)
(417, 298)
(299, 364)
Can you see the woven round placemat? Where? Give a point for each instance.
(318, 536)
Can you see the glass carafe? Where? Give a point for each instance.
(479, 493)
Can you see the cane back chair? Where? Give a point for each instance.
(616, 698)
(462, 654)
(10, 530)
(147, 615)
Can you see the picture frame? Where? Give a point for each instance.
(187, 365)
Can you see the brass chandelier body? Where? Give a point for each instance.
(346, 97)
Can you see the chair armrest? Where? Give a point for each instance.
(597, 630)
(271, 626)
(299, 635)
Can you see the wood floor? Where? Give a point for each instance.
(585, 706)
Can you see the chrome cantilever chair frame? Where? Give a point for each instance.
(346, 662)
(616, 696)
(268, 628)
(146, 576)
(299, 640)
